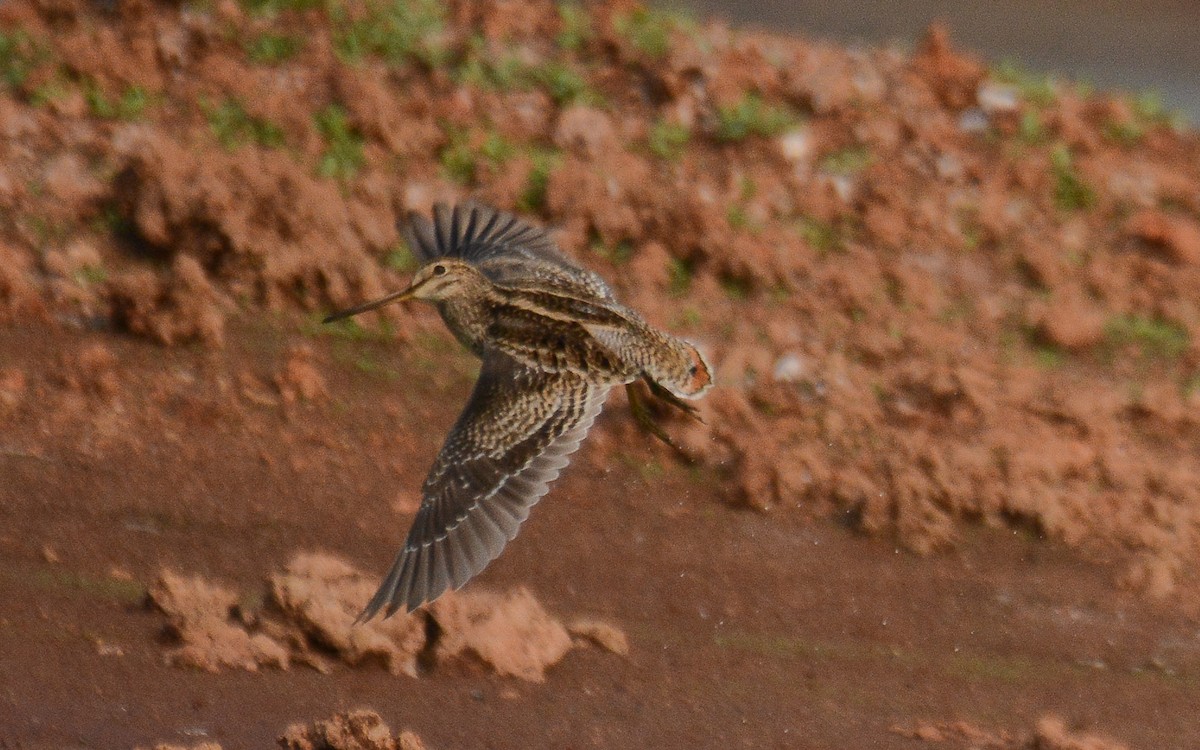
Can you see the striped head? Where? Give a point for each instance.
(440, 280)
(443, 279)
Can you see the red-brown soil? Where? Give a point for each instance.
(949, 477)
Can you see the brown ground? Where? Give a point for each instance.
(948, 489)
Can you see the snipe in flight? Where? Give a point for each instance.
(553, 341)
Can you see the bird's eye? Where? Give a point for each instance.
(439, 270)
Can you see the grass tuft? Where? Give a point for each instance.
(649, 30)
(576, 27)
(1070, 191)
(235, 127)
(1156, 338)
(20, 55)
(130, 105)
(343, 155)
(396, 30)
(752, 116)
(272, 49)
(668, 140)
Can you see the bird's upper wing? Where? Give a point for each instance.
(511, 441)
(505, 248)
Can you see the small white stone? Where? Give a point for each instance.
(973, 120)
(789, 368)
(796, 145)
(997, 97)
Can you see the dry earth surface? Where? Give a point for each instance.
(947, 491)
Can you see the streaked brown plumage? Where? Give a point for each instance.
(553, 341)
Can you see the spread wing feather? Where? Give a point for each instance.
(513, 438)
(501, 246)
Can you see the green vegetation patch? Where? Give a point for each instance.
(130, 105)
(847, 161)
(1156, 338)
(20, 55)
(1070, 191)
(679, 277)
(576, 27)
(1037, 89)
(751, 116)
(667, 140)
(506, 70)
(649, 30)
(343, 155)
(396, 30)
(235, 127)
(272, 49)
(533, 198)
(275, 7)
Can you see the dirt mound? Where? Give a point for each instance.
(309, 615)
(1050, 733)
(352, 730)
(935, 292)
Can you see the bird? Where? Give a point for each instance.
(553, 341)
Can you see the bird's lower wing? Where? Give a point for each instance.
(513, 438)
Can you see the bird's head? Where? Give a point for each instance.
(436, 281)
(442, 279)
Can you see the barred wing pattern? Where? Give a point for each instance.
(513, 438)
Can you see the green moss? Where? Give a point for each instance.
(667, 140)
(1070, 191)
(343, 155)
(272, 49)
(751, 116)
(1156, 338)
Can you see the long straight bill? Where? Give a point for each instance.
(393, 297)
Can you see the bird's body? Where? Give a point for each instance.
(553, 341)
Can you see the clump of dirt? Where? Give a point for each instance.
(351, 730)
(321, 596)
(309, 618)
(197, 746)
(1049, 733)
(200, 618)
(510, 633)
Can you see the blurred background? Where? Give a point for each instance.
(1135, 46)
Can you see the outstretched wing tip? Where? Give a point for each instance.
(479, 495)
